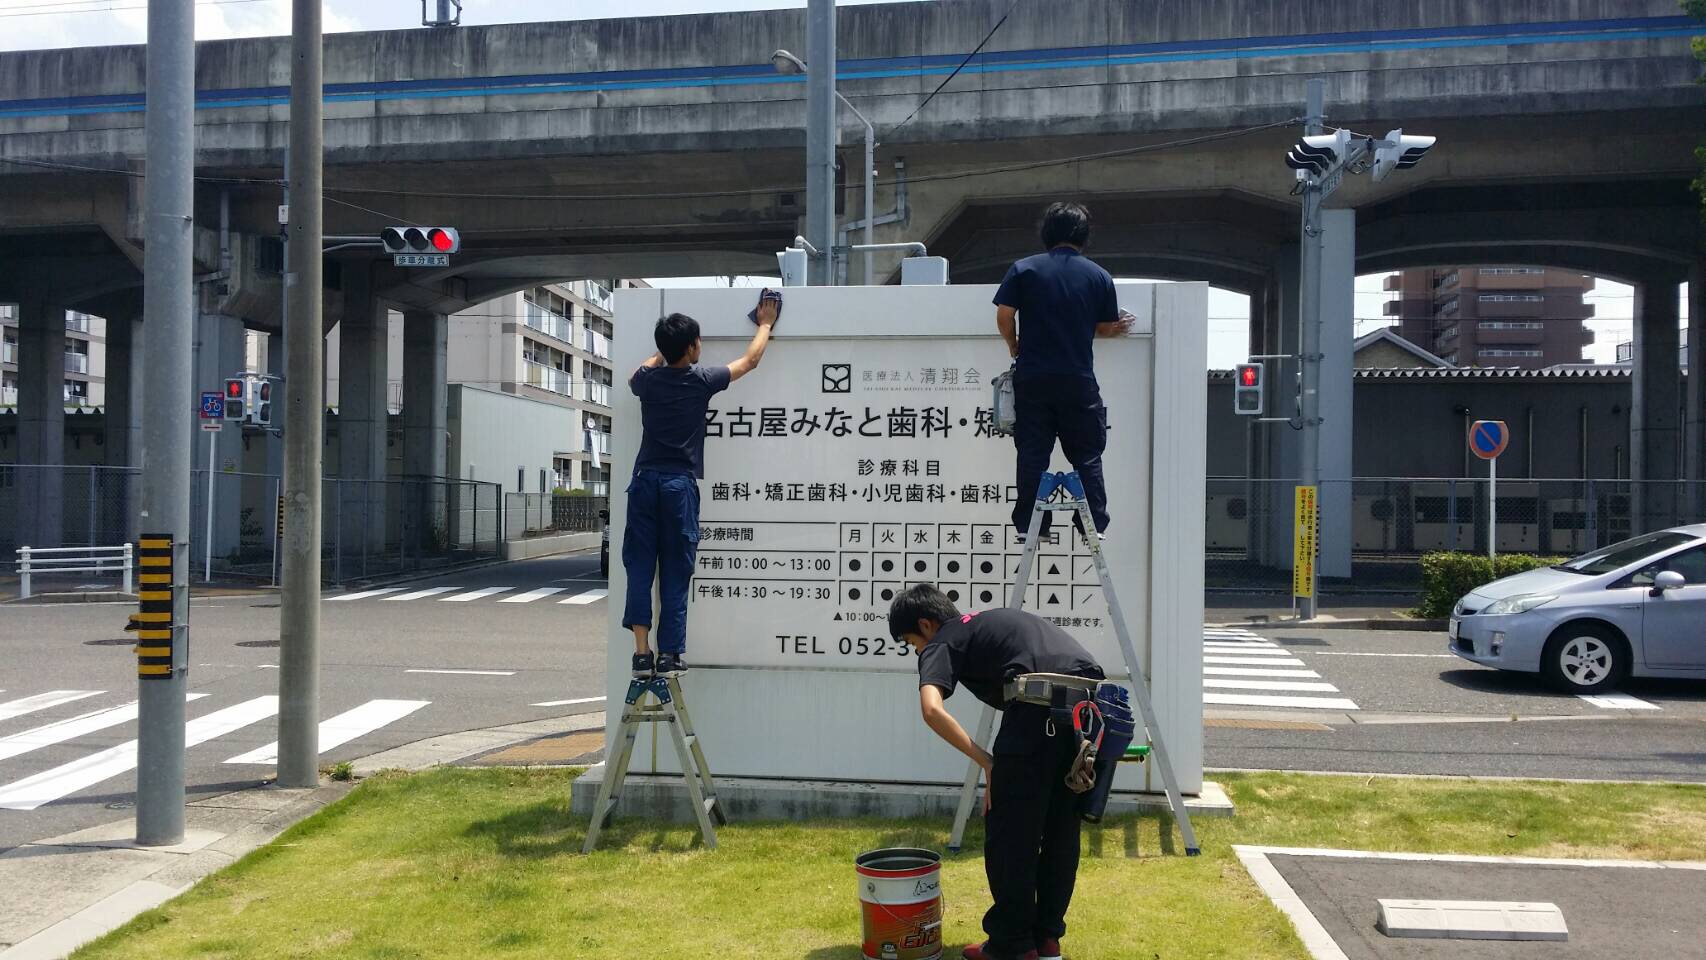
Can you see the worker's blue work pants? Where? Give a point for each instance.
(662, 540)
(1069, 409)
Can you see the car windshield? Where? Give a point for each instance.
(1620, 555)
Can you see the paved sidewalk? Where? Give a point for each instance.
(84, 884)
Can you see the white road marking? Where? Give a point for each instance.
(1354, 653)
(1256, 661)
(344, 727)
(475, 594)
(591, 596)
(533, 595)
(19, 744)
(570, 703)
(1292, 686)
(472, 673)
(418, 594)
(1243, 700)
(1618, 701)
(1249, 650)
(1257, 672)
(364, 594)
(50, 785)
(43, 701)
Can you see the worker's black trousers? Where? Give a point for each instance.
(1030, 846)
(1069, 409)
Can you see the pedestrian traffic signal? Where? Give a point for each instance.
(260, 412)
(1319, 153)
(1247, 390)
(236, 398)
(420, 240)
(1399, 152)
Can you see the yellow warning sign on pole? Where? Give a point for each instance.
(1306, 543)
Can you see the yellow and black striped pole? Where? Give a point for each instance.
(153, 623)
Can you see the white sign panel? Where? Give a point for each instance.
(843, 470)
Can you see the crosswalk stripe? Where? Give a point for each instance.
(418, 594)
(1618, 701)
(50, 785)
(43, 701)
(1283, 686)
(475, 594)
(591, 596)
(1257, 672)
(1249, 650)
(60, 731)
(1256, 661)
(344, 727)
(1252, 700)
(570, 703)
(533, 595)
(364, 594)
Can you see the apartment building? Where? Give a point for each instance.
(85, 358)
(1493, 316)
(551, 344)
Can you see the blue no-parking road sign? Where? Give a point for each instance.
(1488, 438)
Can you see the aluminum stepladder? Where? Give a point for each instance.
(1071, 500)
(670, 708)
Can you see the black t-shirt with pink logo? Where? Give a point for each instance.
(982, 651)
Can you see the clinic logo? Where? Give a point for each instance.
(838, 378)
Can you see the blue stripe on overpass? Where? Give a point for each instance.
(1067, 58)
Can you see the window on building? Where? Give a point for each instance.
(1500, 352)
(1513, 271)
(1511, 298)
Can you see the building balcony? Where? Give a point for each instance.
(1393, 283)
(549, 378)
(77, 322)
(8, 396)
(1510, 306)
(77, 363)
(598, 393)
(548, 322)
(9, 352)
(596, 344)
(1503, 332)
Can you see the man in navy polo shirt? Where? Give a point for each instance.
(1050, 309)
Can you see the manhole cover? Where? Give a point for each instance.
(120, 805)
(257, 643)
(1302, 642)
(114, 642)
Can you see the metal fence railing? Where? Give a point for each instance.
(368, 528)
(1393, 521)
(539, 514)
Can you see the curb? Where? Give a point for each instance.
(1420, 626)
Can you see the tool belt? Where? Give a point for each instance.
(1071, 702)
(1039, 688)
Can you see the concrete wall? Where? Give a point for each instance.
(493, 434)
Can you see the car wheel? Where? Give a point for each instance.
(1585, 658)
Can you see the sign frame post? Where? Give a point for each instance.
(212, 411)
(1488, 439)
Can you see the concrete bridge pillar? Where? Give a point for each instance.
(41, 423)
(1655, 412)
(219, 354)
(426, 435)
(362, 418)
(123, 429)
(1277, 445)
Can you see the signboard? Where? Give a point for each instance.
(212, 405)
(842, 471)
(1488, 438)
(421, 259)
(1306, 545)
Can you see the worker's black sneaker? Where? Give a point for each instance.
(671, 665)
(643, 667)
(1048, 949)
(980, 951)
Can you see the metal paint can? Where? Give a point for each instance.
(900, 896)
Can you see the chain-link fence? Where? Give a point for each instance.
(1392, 522)
(367, 528)
(540, 514)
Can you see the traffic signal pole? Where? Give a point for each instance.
(1309, 324)
(299, 604)
(168, 405)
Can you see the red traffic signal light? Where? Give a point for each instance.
(1247, 376)
(404, 240)
(441, 240)
(234, 389)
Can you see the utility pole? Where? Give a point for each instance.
(821, 131)
(169, 402)
(1309, 323)
(299, 606)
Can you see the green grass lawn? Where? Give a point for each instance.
(486, 863)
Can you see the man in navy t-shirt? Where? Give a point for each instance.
(1050, 309)
(662, 536)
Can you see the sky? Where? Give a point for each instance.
(35, 24)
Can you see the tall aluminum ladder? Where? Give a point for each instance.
(1064, 492)
(668, 707)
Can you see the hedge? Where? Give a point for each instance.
(1446, 576)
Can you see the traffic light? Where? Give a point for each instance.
(420, 240)
(260, 409)
(1247, 390)
(1319, 153)
(236, 399)
(1399, 153)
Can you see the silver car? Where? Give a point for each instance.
(1636, 608)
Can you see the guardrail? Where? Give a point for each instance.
(33, 560)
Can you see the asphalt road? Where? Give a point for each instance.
(69, 673)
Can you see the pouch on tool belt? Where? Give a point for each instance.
(1005, 414)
